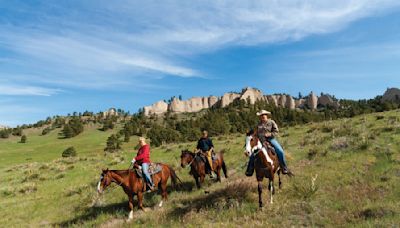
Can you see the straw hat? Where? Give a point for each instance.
(263, 112)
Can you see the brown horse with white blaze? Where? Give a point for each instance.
(198, 166)
(266, 163)
(132, 184)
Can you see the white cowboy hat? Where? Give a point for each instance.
(263, 112)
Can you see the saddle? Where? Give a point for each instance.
(203, 157)
(154, 168)
(269, 147)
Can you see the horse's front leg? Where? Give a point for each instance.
(271, 189)
(260, 204)
(164, 194)
(279, 178)
(140, 200)
(130, 217)
(197, 182)
(218, 172)
(202, 178)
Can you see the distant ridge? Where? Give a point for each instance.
(252, 95)
(392, 95)
(3, 127)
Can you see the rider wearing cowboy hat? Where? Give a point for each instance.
(267, 131)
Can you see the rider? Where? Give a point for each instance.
(206, 146)
(267, 130)
(143, 158)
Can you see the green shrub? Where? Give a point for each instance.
(46, 130)
(23, 139)
(69, 152)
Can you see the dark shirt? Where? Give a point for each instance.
(204, 144)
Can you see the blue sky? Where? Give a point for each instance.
(57, 57)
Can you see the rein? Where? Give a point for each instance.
(190, 163)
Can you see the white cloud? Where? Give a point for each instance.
(18, 90)
(94, 44)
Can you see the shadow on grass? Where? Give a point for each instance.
(93, 212)
(230, 196)
(121, 208)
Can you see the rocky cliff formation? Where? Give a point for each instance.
(251, 95)
(157, 108)
(110, 112)
(392, 95)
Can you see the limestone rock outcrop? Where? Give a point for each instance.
(212, 100)
(228, 98)
(157, 108)
(312, 101)
(272, 99)
(252, 95)
(290, 103)
(300, 103)
(392, 95)
(110, 112)
(327, 100)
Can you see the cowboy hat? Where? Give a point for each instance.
(263, 112)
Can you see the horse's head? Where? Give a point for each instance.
(105, 180)
(252, 143)
(186, 158)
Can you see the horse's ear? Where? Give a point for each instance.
(250, 132)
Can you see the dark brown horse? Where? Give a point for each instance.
(132, 184)
(266, 163)
(198, 166)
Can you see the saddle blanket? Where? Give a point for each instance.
(154, 168)
(214, 157)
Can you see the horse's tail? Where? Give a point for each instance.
(174, 178)
(221, 154)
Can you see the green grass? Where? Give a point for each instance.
(347, 174)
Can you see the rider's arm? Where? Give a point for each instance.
(210, 143)
(275, 129)
(142, 153)
(198, 144)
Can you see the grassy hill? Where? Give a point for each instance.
(347, 174)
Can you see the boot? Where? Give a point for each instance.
(250, 167)
(286, 171)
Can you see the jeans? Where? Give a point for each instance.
(279, 151)
(145, 170)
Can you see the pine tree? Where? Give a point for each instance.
(113, 144)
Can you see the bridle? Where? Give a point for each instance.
(190, 163)
(112, 180)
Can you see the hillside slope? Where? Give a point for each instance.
(355, 164)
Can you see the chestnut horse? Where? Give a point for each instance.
(132, 184)
(266, 163)
(198, 166)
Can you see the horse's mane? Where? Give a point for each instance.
(250, 132)
(122, 172)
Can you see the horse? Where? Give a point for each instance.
(132, 184)
(198, 166)
(266, 163)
